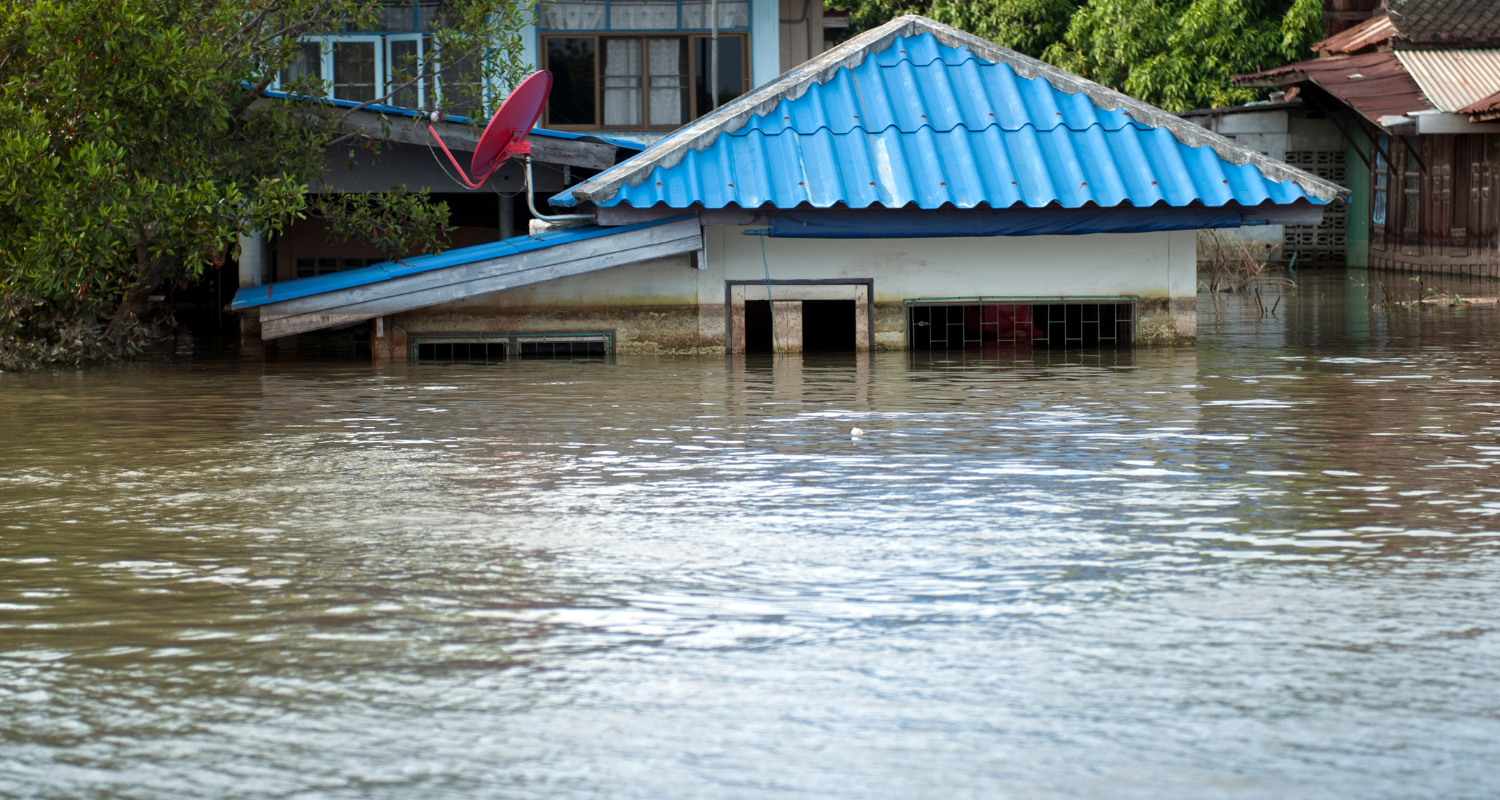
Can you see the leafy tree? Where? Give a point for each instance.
(1176, 54)
(1180, 54)
(138, 144)
(1027, 26)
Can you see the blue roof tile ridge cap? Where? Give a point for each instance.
(701, 134)
(929, 126)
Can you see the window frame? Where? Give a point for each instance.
(376, 41)
(1411, 171)
(1380, 193)
(424, 102)
(691, 35)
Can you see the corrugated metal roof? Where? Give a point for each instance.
(909, 119)
(1452, 79)
(1369, 33)
(252, 296)
(1484, 109)
(1374, 84)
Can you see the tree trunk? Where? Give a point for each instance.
(138, 296)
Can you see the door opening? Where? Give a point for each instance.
(758, 326)
(828, 326)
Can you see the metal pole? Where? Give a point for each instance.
(713, 49)
(531, 203)
(507, 217)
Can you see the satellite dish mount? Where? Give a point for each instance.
(505, 136)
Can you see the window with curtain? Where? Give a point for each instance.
(639, 82)
(732, 14)
(574, 15)
(668, 63)
(641, 15)
(622, 82)
(640, 64)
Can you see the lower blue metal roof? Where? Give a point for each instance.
(407, 112)
(252, 296)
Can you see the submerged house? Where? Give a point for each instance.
(913, 187)
(1411, 89)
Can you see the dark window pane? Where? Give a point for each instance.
(460, 86)
(308, 63)
(401, 65)
(395, 15)
(354, 71)
(571, 62)
(427, 15)
(731, 71)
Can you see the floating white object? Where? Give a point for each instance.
(856, 432)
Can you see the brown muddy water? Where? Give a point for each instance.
(1264, 567)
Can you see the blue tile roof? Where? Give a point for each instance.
(252, 296)
(918, 123)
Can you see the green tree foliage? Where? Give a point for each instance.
(138, 145)
(1027, 26)
(1180, 55)
(1176, 54)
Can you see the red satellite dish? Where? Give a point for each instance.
(505, 136)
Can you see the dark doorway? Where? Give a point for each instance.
(757, 326)
(828, 326)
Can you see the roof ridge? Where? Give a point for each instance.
(928, 125)
(792, 85)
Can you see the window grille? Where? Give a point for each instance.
(496, 348)
(957, 324)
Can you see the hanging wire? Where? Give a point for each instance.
(444, 166)
(770, 301)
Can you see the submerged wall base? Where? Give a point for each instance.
(671, 306)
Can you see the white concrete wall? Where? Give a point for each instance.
(1161, 268)
(668, 304)
(1005, 266)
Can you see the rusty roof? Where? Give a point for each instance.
(1374, 84)
(1452, 79)
(1439, 21)
(1369, 33)
(1485, 109)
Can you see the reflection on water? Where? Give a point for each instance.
(1264, 567)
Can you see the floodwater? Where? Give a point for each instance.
(1264, 567)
